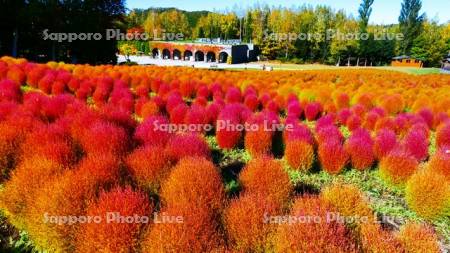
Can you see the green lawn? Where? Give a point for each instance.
(408, 70)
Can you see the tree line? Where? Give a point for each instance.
(314, 34)
(22, 23)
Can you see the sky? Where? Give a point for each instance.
(384, 11)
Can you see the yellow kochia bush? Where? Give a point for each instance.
(428, 194)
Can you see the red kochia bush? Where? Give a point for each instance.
(344, 115)
(329, 134)
(55, 107)
(324, 122)
(196, 115)
(397, 166)
(427, 115)
(443, 135)
(298, 132)
(385, 141)
(194, 182)
(360, 148)
(102, 90)
(9, 91)
(99, 170)
(142, 91)
(58, 87)
(104, 137)
(371, 120)
(187, 88)
(45, 84)
(272, 106)
(294, 109)
(118, 117)
(149, 166)
(150, 131)
(189, 144)
(316, 234)
(251, 101)
(203, 91)
(50, 142)
(35, 74)
(73, 84)
(353, 122)
(385, 122)
(173, 100)
(114, 235)
(212, 112)
(332, 156)
(16, 74)
(227, 136)
(13, 132)
(246, 225)
(416, 143)
(312, 110)
(201, 101)
(266, 176)
(233, 95)
(7, 108)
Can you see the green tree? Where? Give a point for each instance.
(410, 21)
(229, 24)
(365, 10)
(430, 46)
(342, 48)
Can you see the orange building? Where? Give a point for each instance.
(406, 61)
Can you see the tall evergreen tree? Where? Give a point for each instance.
(365, 10)
(410, 21)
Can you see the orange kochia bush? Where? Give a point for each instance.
(194, 193)
(299, 154)
(115, 232)
(150, 166)
(194, 181)
(68, 195)
(397, 166)
(313, 236)
(25, 183)
(247, 223)
(418, 238)
(265, 176)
